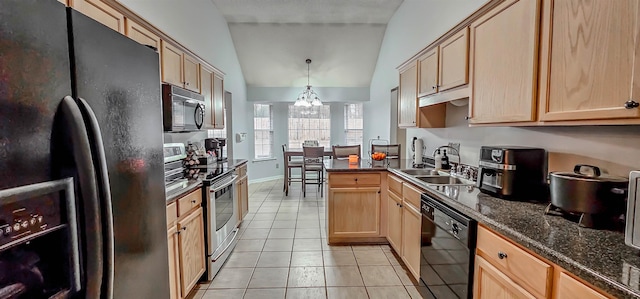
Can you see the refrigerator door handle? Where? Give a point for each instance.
(102, 176)
(72, 119)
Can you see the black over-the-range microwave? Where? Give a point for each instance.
(183, 110)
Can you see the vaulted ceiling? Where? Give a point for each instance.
(273, 38)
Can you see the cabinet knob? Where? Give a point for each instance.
(502, 255)
(467, 117)
(193, 201)
(187, 83)
(184, 228)
(630, 104)
(356, 179)
(433, 87)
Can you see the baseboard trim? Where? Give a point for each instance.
(271, 178)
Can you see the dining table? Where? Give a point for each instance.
(288, 154)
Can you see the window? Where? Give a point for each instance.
(263, 131)
(309, 123)
(353, 126)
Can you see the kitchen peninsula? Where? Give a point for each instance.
(369, 204)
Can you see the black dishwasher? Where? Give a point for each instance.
(448, 249)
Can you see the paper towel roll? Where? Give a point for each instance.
(417, 154)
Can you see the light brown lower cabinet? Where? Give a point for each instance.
(174, 274)
(394, 221)
(504, 269)
(192, 256)
(242, 188)
(411, 242)
(490, 283)
(354, 212)
(185, 240)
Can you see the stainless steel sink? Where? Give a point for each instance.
(440, 180)
(421, 172)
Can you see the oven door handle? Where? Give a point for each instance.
(233, 179)
(235, 234)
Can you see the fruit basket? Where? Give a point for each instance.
(378, 159)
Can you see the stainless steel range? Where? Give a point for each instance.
(221, 216)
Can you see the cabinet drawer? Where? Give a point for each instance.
(172, 213)
(411, 195)
(395, 185)
(360, 179)
(189, 202)
(528, 271)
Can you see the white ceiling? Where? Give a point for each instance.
(274, 37)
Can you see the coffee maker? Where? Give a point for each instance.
(222, 142)
(216, 145)
(513, 172)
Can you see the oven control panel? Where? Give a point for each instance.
(27, 217)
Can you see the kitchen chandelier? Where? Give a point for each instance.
(308, 97)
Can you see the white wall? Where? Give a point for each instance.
(417, 23)
(200, 27)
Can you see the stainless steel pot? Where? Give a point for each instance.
(591, 193)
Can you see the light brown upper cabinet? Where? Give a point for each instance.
(428, 73)
(191, 73)
(218, 102)
(407, 103)
(206, 89)
(589, 57)
(145, 37)
(171, 64)
(504, 63)
(453, 69)
(100, 12)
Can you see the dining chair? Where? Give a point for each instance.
(392, 150)
(313, 161)
(343, 151)
(290, 164)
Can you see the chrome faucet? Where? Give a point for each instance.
(450, 147)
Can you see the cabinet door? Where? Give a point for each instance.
(490, 283)
(394, 218)
(411, 234)
(588, 67)
(171, 64)
(206, 87)
(408, 101)
(174, 275)
(192, 256)
(503, 63)
(354, 212)
(191, 73)
(428, 73)
(245, 197)
(218, 102)
(454, 61)
(101, 12)
(569, 288)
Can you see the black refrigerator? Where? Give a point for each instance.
(79, 104)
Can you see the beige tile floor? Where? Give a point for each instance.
(283, 253)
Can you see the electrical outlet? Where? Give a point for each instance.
(277, 165)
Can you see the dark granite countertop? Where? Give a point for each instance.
(197, 183)
(173, 195)
(600, 257)
(342, 165)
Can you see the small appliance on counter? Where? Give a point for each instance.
(592, 198)
(174, 170)
(632, 229)
(215, 147)
(513, 172)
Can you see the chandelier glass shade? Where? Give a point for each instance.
(308, 97)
